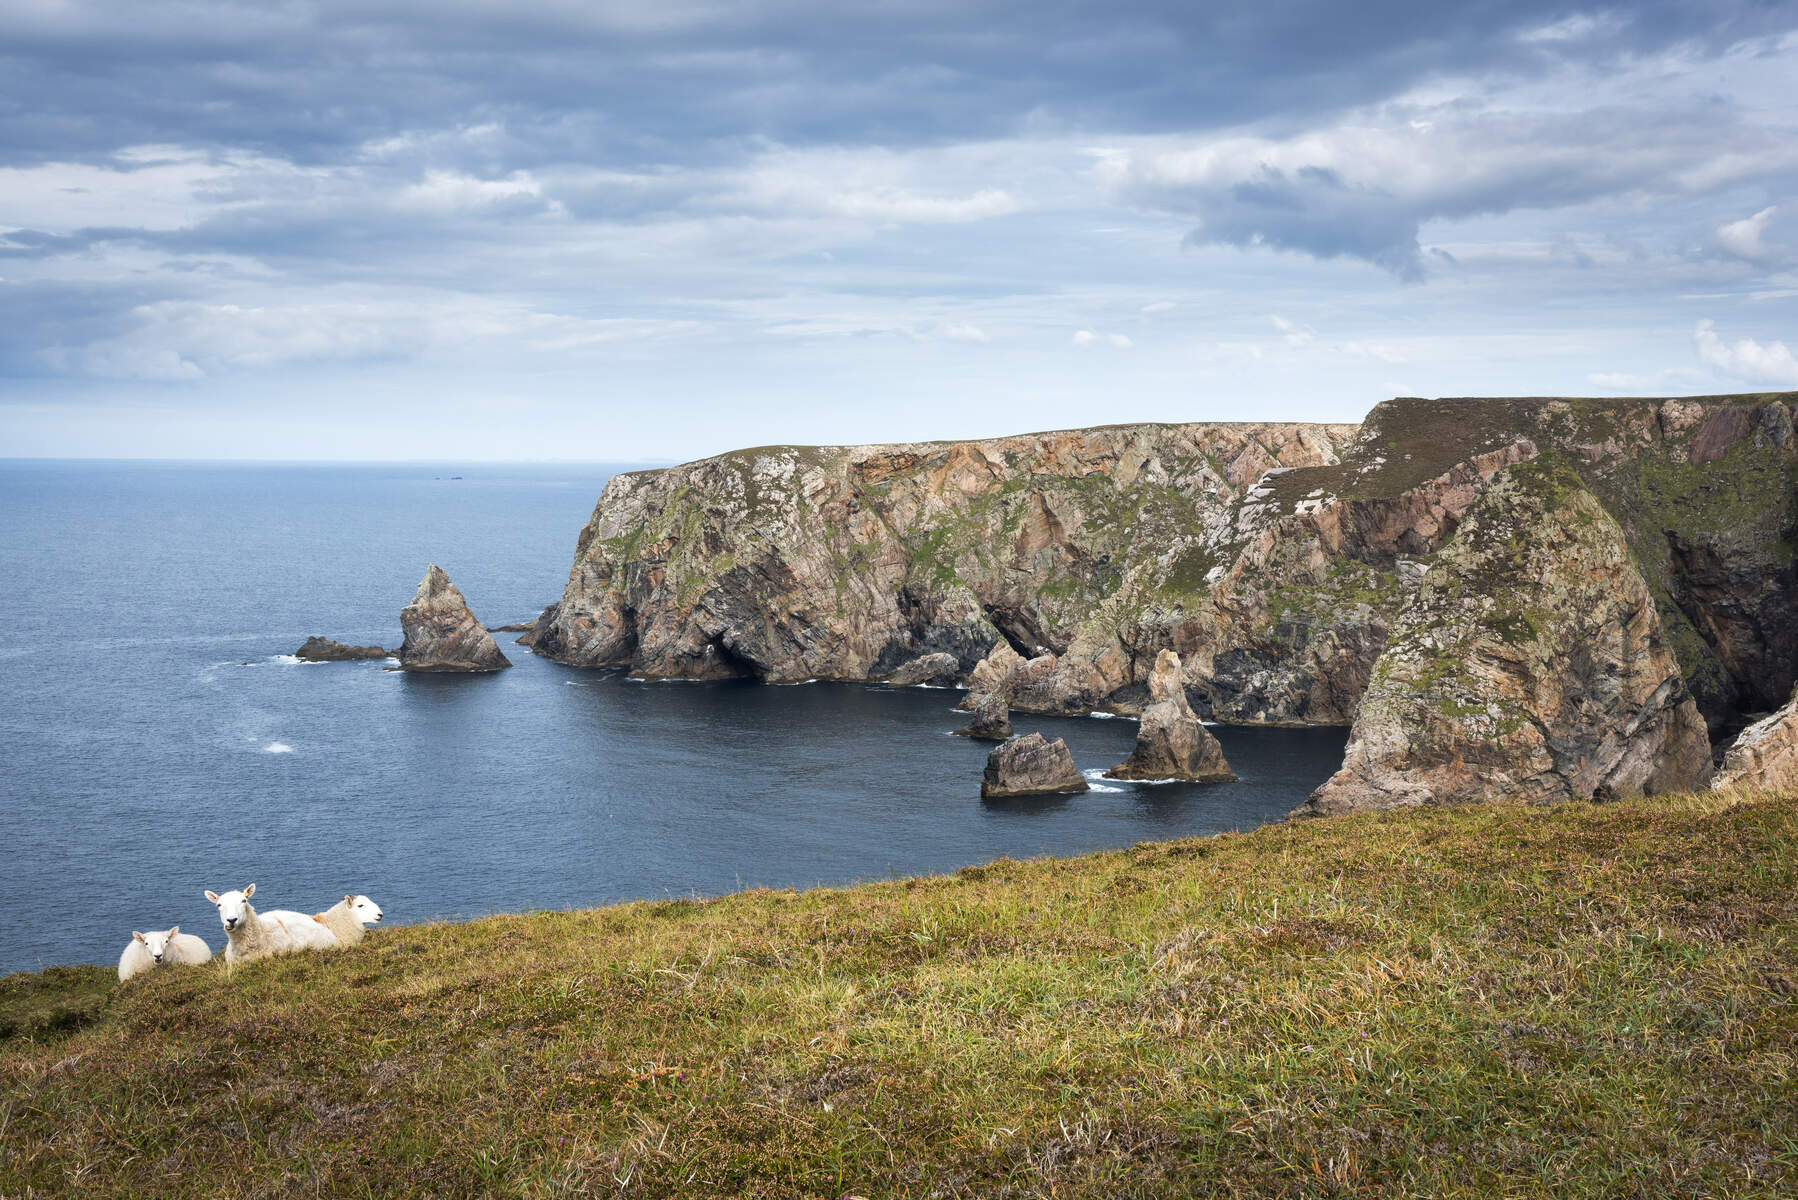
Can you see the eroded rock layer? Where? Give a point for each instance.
(1766, 755)
(1170, 741)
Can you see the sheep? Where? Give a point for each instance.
(147, 951)
(347, 917)
(250, 935)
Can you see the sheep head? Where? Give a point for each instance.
(234, 907)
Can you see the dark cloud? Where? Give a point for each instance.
(672, 81)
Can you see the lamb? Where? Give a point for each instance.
(147, 951)
(250, 935)
(346, 918)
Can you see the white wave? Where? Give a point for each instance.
(1096, 781)
(277, 748)
(1103, 716)
(572, 683)
(287, 660)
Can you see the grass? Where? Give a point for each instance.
(1580, 1000)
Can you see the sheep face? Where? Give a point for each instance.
(364, 909)
(234, 907)
(157, 943)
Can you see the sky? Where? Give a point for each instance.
(629, 231)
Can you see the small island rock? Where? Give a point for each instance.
(1030, 766)
(441, 634)
(992, 719)
(1172, 743)
(321, 649)
(940, 670)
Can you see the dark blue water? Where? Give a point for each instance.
(155, 741)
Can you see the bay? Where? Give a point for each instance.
(156, 739)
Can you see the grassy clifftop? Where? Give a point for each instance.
(1577, 1000)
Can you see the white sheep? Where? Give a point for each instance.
(147, 951)
(250, 935)
(346, 918)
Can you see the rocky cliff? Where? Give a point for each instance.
(1532, 663)
(1275, 559)
(441, 634)
(790, 563)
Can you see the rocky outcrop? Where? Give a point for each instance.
(992, 719)
(321, 649)
(1765, 755)
(441, 634)
(1171, 743)
(1532, 664)
(935, 670)
(789, 563)
(1030, 766)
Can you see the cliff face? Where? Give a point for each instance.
(1275, 559)
(1531, 664)
(793, 563)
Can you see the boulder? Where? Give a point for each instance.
(1531, 665)
(939, 670)
(320, 649)
(1765, 755)
(992, 719)
(1171, 742)
(441, 634)
(1030, 766)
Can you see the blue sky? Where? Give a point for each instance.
(475, 229)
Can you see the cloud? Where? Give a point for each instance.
(1085, 339)
(1744, 238)
(1364, 190)
(963, 332)
(1292, 333)
(1747, 358)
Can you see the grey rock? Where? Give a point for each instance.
(1171, 742)
(320, 649)
(992, 719)
(938, 669)
(1031, 766)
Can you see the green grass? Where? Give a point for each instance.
(1572, 1001)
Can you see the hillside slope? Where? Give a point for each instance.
(1578, 1000)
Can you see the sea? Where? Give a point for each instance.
(158, 738)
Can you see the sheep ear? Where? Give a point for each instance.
(349, 899)
(174, 929)
(249, 891)
(138, 936)
(213, 896)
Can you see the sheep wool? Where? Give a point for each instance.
(347, 917)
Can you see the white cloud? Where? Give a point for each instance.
(1747, 358)
(1087, 338)
(963, 332)
(1743, 238)
(1159, 306)
(1292, 333)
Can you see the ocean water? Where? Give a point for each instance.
(156, 739)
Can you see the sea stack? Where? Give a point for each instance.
(992, 719)
(1172, 744)
(1030, 766)
(441, 634)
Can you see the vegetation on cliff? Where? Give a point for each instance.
(1576, 1000)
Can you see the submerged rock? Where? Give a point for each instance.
(1531, 666)
(1765, 755)
(1031, 766)
(441, 634)
(938, 669)
(1171, 743)
(320, 649)
(992, 719)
